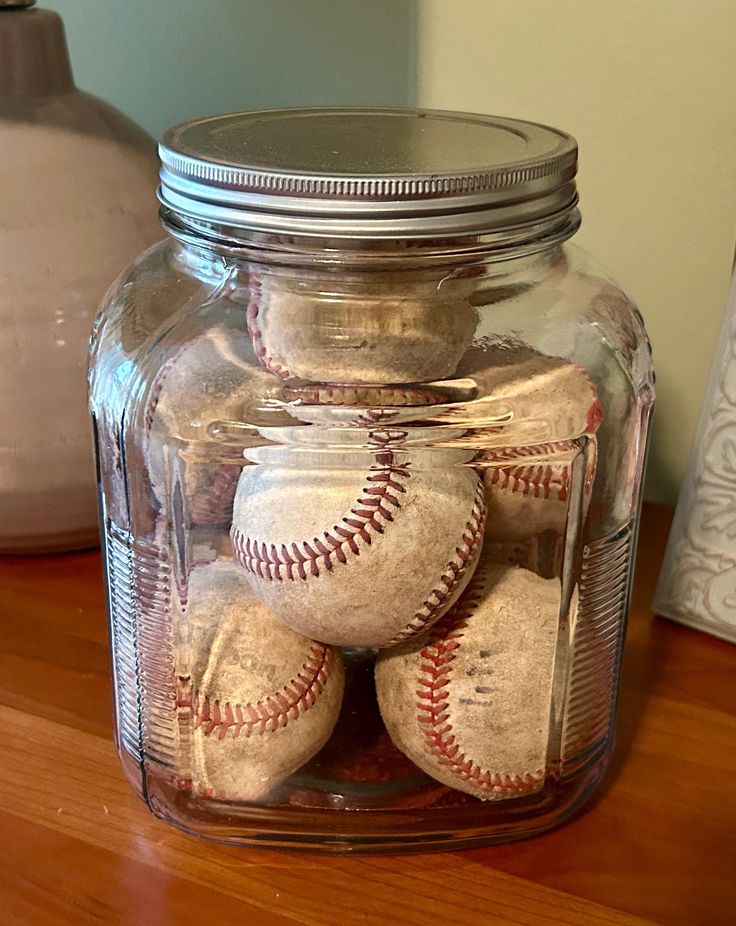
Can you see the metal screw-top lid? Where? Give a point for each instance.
(368, 173)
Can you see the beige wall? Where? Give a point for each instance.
(648, 87)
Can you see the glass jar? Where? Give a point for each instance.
(370, 438)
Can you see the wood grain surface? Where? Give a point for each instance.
(657, 846)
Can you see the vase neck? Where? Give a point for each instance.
(34, 60)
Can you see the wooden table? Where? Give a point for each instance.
(658, 846)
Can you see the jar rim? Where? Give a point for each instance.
(238, 244)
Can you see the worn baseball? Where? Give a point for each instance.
(376, 328)
(533, 398)
(529, 493)
(470, 702)
(547, 412)
(207, 380)
(255, 700)
(359, 556)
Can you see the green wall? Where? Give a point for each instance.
(164, 61)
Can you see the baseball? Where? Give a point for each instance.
(470, 702)
(545, 411)
(209, 379)
(528, 494)
(534, 398)
(375, 329)
(359, 556)
(255, 700)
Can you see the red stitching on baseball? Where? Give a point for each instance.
(204, 509)
(385, 400)
(595, 416)
(370, 417)
(532, 450)
(158, 385)
(454, 572)
(220, 717)
(207, 506)
(595, 413)
(370, 515)
(337, 394)
(540, 480)
(252, 313)
(433, 714)
(537, 481)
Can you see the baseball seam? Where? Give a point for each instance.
(531, 450)
(454, 572)
(433, 715)
(370, 417)
(215, 715)
(537, 480)
(387, 402)
(252, 317)
(595, 413)
(350, 395)
(158, 385)
(207, 508)
(303, 559)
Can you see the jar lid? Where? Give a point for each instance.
(368, 173)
